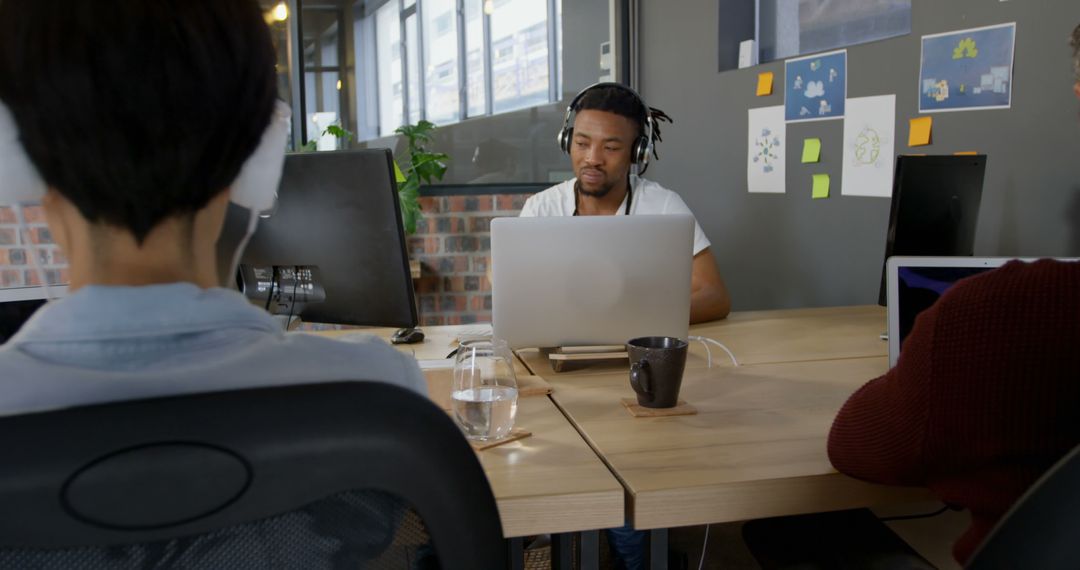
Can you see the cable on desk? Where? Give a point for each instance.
(704, 545)
(706, 341)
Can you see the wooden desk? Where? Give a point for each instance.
(755, 449)
(798, 335)
(763, 337)
(550, 482)
(438, 341)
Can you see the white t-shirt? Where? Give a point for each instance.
(648, 198)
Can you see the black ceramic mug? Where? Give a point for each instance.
(656, 369)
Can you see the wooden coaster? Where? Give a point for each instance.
(515, 434)
(529, 385)
(639, 411)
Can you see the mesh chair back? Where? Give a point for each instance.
(341, 475)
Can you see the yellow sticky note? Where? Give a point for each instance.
(821, 186)
(764, 83)
(920, 131)
(811, 150)
(399, 176)
(966, 153)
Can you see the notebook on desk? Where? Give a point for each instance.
(590, 280)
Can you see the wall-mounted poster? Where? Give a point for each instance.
(869, 141)
(765, 161)
(967, 70)
(815, 87)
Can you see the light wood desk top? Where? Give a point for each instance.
(755, 449)
(797, 335)
(549, 482)
(764, 337)
(438, 341)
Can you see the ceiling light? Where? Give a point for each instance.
(281, 12)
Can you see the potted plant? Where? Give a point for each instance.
(424, 166)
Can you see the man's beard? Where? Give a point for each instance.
(603, 191)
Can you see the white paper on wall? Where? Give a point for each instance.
(869, 143)
(766, 155)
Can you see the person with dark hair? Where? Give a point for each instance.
(612, 130)
(984, 396)
(139, 117)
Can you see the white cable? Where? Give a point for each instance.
(704, 340)
(704, 545)
(32, 251)
(708, 351)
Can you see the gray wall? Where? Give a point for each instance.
(779, 251)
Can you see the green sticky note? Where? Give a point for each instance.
(811, 150)
(398, 174)
(821, 186)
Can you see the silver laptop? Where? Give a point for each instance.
(915, 283)
(595, 280)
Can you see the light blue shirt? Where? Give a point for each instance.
(104, 344)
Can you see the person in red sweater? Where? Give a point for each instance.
(983, 399)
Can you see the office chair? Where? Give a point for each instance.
(1041, 529)
(352, 474)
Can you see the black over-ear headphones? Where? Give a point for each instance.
(642, 147)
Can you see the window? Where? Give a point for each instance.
(445, 60)
(441, 93)
(520, 70)
(391, 104)
(475, 56)
(795, 27)
(370, 66)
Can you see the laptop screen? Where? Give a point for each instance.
(920, 287)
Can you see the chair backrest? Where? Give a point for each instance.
(318, 475)
(1042, 528)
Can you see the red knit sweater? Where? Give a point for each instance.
(985, 396)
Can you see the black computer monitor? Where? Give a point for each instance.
(935, 207)
(14, 313)
(333, 249)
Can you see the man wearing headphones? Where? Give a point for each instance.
(612, 130)
(134, 123)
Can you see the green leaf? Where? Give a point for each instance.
(424, 168)
(339, 132)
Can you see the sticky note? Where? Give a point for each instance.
(966, 153)
(764, 84)
(920, 131)
(811, 150)
(821, 186)
(399, 176)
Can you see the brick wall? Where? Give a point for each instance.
(16, 266)
(453, 244)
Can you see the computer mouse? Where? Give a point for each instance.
(407, 335)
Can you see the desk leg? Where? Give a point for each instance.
(658, 549)
(562, 551)
(589, 550)
(516, 551)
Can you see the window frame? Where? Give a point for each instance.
(369, 9)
